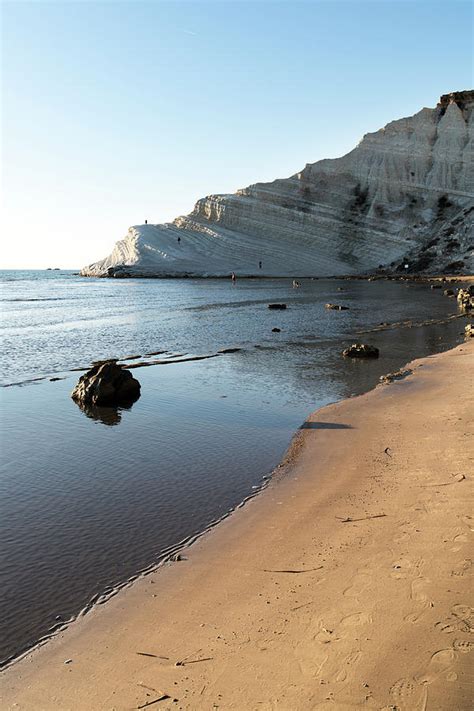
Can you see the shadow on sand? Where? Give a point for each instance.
(325, 426)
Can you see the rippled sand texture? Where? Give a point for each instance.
(346, 584)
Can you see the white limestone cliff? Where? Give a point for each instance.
(404, 194)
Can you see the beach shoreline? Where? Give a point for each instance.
(342, 585)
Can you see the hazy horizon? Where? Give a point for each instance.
(117, 112)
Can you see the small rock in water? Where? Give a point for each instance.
(107, 383)
(336, 307)
(276, 330)
(469, 330)
(277, 306)
(448, 292)
(466, 298)
(361, 350)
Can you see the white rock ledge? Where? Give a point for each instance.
(405, 193)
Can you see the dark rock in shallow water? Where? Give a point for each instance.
(229, 350)
(336, 307)
(448, 292)
(276, 330)
(465, 298)
(106, 384)
(277, 306)
(361, 350)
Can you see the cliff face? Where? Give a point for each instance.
(405, 194)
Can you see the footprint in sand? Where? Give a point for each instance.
(325, 635)
(463, 645)
(347, 663)
(356, 619)
(404, 568)
(406, 531)
(460, 620)
(439, 663)
(462, 568)
(421, 598)
(405, 692)
(360, 583)
(458, 540)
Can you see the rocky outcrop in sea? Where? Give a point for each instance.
(402, 200)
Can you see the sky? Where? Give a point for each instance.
(117, 112)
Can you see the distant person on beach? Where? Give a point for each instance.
(296, 284)
(233, 277)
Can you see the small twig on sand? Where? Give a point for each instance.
(148, 654)
(298, 607)
(154, 701)
(307, 570)
(446, 483)
(387, 451)
(181, 662)
(150, 688)
(193, 661)
(364, 518)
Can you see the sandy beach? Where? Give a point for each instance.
(345, 584)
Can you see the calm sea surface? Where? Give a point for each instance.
(88, 500)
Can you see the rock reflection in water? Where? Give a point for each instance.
(107, 415)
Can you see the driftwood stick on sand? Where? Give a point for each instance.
(148, 654)
(363, 518)
(193, 661)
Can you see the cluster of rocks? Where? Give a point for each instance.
(469, 330)
(361, 350)
(397, 375)
(106, 384)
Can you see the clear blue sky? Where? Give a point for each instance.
(113, 112)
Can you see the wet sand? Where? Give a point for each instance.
(346, 584)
